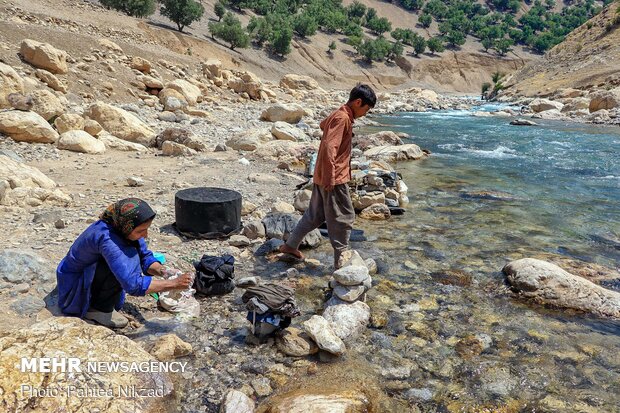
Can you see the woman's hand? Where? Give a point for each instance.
(184, 281)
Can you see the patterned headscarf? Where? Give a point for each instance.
(125, 215)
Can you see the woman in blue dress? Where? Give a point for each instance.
(111, 258)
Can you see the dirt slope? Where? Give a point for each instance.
(588, 58)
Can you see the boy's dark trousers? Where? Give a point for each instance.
(336, 210)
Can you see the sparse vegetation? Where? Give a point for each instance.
(230, 31)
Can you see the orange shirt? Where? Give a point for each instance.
(333, 163)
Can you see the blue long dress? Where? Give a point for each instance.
(128, 261)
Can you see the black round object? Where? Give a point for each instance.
(208, 211)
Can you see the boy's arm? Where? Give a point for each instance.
(332, 140)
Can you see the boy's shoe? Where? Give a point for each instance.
(111, 320)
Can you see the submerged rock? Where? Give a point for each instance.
(336, 401)
(523, 122)
(549, 284)
(169, 347)
(236, 402)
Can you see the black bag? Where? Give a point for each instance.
(214, 275)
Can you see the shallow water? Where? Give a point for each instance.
(554, 189)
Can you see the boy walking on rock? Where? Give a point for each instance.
(330, 201)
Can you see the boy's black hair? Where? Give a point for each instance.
(365, 93)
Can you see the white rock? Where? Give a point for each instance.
(348, 320)
(297, 82)
(284, 207)
(351, 275)
(321, 332)
(541, 105)
(236, 402)
(291, 113)
(288, 132)
(80, 141)
(395, 153)
(349, 293)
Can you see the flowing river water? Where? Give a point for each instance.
(491, 193)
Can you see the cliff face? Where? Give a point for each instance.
(589, 58)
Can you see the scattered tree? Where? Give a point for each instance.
(220, 10)
(135, 8)
(304, 25)
(435, 45)
(425, 20)
(331, 47)
(280, 42)
(182, 12)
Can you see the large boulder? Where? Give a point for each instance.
(190, 92)
(140, 64)
(383, 138)
(547, 283)
(319, 329)
(69, 121)
(541, 105)
(21, 185)
(80, 141)
(572, 105)
(376, 212)
(212, 68)
(286, 131)
(50, 80)
(605, 99)
(44, 56)
(170, 148)
(395, 153)
(348, 320)
(71, 337)
(320, 401)
(249, 140)
(26, 127)
(289, 151)
(183, 137)
(46, 104)
(291, 113)
(10, 82)
(296, 82)
(121, 123)
(247, 82)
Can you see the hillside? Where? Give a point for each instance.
(78, 25)
(587, 59)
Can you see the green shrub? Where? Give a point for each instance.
(356, 10)
(304, 25)
(259, 29)
(379, 25)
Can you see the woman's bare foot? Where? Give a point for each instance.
(285, 249)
